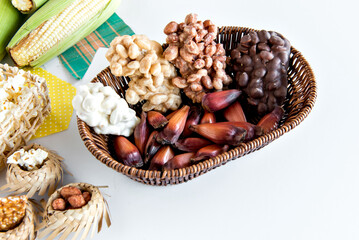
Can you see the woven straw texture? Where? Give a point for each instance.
(79, 220)
(26, 229)
(46, 177)
(20, 127)
(300, 101)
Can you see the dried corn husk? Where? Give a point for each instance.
(26, 229)
(20, 127)
(27, 6)
(56, 222)
(11, 20)
(46, 177)
(57, 26)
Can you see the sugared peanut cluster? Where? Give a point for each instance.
(141, 59)
(200, 60)
(71, 198)
(12, 211)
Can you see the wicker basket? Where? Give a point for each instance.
(19, 129)
(300, 100)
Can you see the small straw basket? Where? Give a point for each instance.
(47, 177)
(17, 130)
(77, 221)
(25, 230)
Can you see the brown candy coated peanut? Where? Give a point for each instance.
(210, 50)
(179, 82)
(67, 192)
(191, 18)
(200, 34)
(209, 38)
(59, 204)
(207, 82)
(207, 23)
(196, 50)
(196, 87)
(188, 57)
(191, 47)
(212, 29)
(172, 38)
(77, 201)
(189, 32)
(199, 64)
(171, 28)
(171, 53)
(208, 62)
(87, 196)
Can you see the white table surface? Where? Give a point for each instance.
(302, 186)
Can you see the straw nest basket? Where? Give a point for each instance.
(56, 222)
(300, 101)
(22, 125)
(46, 177)
(26, 229)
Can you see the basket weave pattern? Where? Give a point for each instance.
(20, 128)
(46, 177)
(26, 229)
(300, 100)
(79, 220)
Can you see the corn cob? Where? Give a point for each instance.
(27, 6)
(55, 27)
(10, 20)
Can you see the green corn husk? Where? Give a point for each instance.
(10, 20)
(33, 6)
(53, 8)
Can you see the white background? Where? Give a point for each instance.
(302, 186)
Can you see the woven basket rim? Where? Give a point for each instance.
(80, 185)
(26, 227)
(74, 220)
(234, 153)
(27, 148)
(37, 181)
(22, 137)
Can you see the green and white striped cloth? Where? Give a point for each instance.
(78, 58)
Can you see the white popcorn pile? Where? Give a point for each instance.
(104, 110)
(14, 91)
(31, 160)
